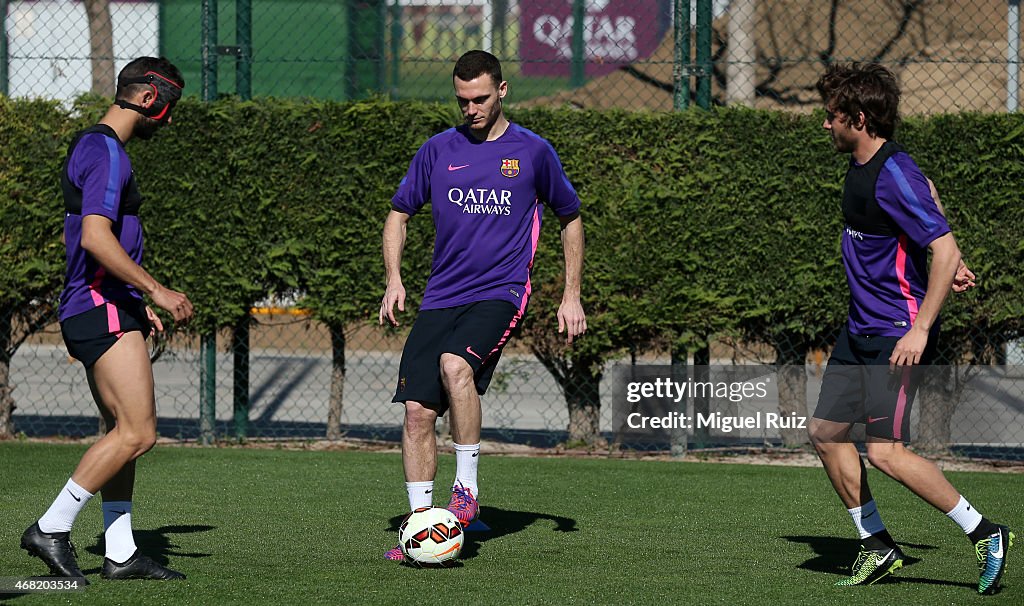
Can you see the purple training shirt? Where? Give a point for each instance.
(98, 172)
(486, 203)
(888, 272)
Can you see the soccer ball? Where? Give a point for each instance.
(431, 537)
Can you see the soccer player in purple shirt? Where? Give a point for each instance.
(105, 322)
(893, 220)
(486, 182)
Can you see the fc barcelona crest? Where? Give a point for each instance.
(510, 167)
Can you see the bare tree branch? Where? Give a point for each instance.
(909, 7)
(828, 54)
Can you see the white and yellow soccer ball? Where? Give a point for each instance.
(431, 537)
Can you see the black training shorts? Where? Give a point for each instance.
(90, 334)
(476, 332)
(858, 386)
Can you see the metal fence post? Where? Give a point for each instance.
(240, 334)
(243, 36)
(704, 16)
(702, 356)
(396, 45)
(3, 47)
(208, 388)
(240, 354)
(1012, 55)
(208, 341)
(681, 64)
(209, 49)
(579, 47)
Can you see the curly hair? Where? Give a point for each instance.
(863, 87)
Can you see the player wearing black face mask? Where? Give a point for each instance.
(105, 321)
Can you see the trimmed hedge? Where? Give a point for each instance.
(697, 223)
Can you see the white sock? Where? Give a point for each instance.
(867, 519)
(467, 456)
(117, 530)
(62, 513)
(966, 516)
(420, 494)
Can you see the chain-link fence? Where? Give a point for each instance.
(639, 54)
(633, 54)
(295, 384)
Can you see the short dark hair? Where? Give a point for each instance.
(139, 67)
(476, 63)
(863, 87)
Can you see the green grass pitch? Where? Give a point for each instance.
(257, 526)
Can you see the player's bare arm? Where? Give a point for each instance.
(102, 245)
(571, 317)
(944, 263)
(964, 279)
(394, 244)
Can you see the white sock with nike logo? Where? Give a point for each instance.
(467, 458)
(966, 516)
(117, 531)
(867, 519)
(62, 513)
(421, 494)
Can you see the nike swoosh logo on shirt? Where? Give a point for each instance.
(453, 167)
(873, 419)
(475, 355)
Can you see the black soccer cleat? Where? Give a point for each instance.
(53, 548)
(138, 567)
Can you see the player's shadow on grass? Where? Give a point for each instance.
(502, 522)
(835, 555)
(156, 544)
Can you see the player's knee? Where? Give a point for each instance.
(816, 436)
(139, 442)
(882, 463)
(820, 434)
(455, 370)
(419, 418)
